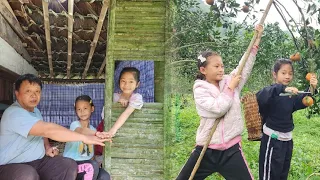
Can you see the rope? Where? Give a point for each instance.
(241, 66)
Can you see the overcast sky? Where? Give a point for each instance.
(274, 16)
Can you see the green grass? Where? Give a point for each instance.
(306, 136)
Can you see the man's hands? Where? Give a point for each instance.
(52, 151)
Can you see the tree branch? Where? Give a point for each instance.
(286, 23)
(290, 16)
(304, 21)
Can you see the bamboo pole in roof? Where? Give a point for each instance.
(96, 36)
(45, 7)
(70, 31)
(15, 25)
(101, 67)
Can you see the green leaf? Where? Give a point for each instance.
(219, 24)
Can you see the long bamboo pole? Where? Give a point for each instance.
(45, 6)
(70, 31)
(241, 66)
(96, 36)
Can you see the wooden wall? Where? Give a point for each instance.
(137, 31)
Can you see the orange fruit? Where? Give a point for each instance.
(295, 57)
(210, 2)
(245, 8)
(308, 76)
(307, 101)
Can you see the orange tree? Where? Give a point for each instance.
(306, 40)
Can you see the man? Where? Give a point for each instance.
(25, 152)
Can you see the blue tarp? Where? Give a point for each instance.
(57, 101)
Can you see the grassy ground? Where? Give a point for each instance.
(306, 153)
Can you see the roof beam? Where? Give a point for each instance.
(15, 25)
(45, 7)
(7, 33)
(70, 31)
(96, 36)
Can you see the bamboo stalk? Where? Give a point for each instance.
(96, 36)
(70, 31)
(109, 80)
(102, 67)
(45, 6)
(213, 129)
(241, 66)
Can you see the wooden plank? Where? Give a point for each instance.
(138, 14)
(141, 120)
(148, 52)
(141, 125)
(15, 25)
(142, 145)
(109, 80)
(137, 37)
(139, 57)
(138, 115)
(141, 136)
(138, 22)
(145, 105)
(137, 153)
(159, 70)
(141, 4)
(136, 161)
(168, 122)
(133, 131)
(138, 44)
(141, 31)
(145, 27)
(123, 139)
(139, 17)
(142, 111)
(7, 33)
(144, 10)
(138, 167)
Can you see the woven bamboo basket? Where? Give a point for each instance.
(252, 117)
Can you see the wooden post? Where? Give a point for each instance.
(45, 6)
(109, 82)
(96, 35)
(70, 31)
